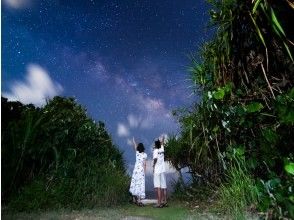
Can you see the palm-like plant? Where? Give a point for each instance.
(245, 77)
(24, 138)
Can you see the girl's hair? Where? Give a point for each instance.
(140, 148)
(157, 144)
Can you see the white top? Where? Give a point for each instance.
(160, 165)
(140, 158)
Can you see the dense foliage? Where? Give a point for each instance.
(56, 156)
(245, 77)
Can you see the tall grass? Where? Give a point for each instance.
(238, 192)
(88, 189)
(58, 157)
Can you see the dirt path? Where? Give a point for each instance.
(175, 211)
(128, 212)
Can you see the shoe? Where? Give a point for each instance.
(158, 206)
(140, 204)
(164, 204)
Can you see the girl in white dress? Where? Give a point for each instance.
(137, 188)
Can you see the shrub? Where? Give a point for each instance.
(237, 193)
(244, 77)
(61, 158)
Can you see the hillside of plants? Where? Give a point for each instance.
(238, 140)
(58, 157)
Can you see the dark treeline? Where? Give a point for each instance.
(56, 156)
(240, 136)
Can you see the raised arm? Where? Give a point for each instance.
(162, 141)
(135, 144)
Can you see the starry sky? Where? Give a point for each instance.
(125, 61)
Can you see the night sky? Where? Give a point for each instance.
(125, 61)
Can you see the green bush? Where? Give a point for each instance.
(61, 158)
(244, 78)
(276, 194)
(32, 197)
(237, 193)
(107, 188)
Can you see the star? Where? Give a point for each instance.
(139, 47)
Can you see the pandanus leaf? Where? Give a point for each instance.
(288, 51)
(57, 156)
(276, 22)
(258, 30)
(256, 4)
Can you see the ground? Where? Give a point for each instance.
(175, 211)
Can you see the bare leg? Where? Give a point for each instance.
(164, 199)
(139, 199)
(163, 195)
(158, 193)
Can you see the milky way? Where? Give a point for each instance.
(124, 61)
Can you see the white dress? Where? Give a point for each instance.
(137, 187)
